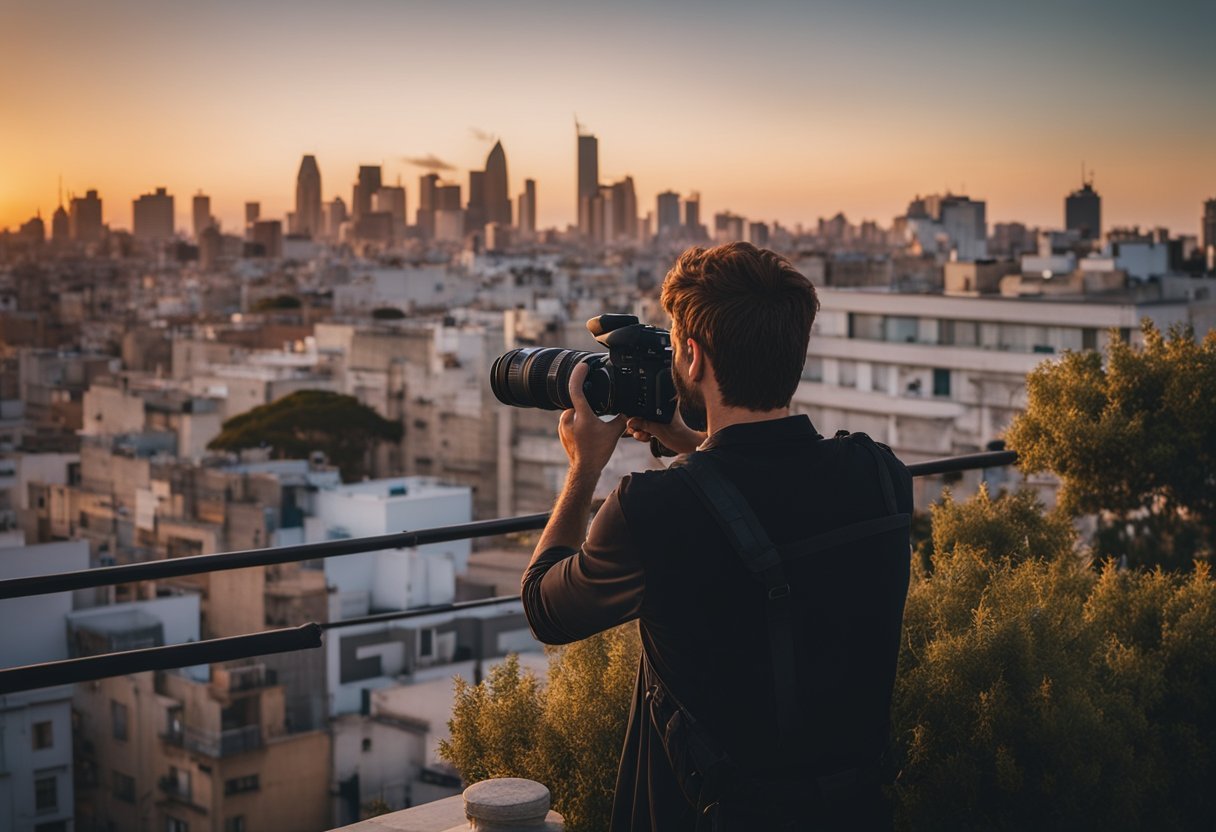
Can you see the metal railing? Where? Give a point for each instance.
(305, 636)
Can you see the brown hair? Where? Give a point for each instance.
(751, 311)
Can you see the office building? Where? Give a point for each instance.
(366, 185)
(391, 200)
(335, 215)
(308, 199)
(624, 211)
(588, 178)
(527, 208)
(85, 217)
(153, 217)
(1209, 234)
(201, 214)
(757, 234)
(475, 213)
(692, 217)
(668, 212)
(425, 218)
(61, 226)
(1083, 211)
(268, 236)
(497, 192)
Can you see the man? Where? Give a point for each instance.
(741, 319)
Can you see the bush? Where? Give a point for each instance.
(1033, 692)
(566, 734)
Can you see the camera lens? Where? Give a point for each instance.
(537, 376)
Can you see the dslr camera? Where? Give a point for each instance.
(633, 377)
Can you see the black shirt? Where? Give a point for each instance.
(654, 553)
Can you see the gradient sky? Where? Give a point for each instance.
(775, 110)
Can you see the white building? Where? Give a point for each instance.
(36, 782)
(935, 375)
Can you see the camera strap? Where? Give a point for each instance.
(763, 560)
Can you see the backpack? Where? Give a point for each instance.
(702, 767)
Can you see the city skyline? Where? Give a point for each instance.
(797, 118)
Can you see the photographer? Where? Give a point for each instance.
(768, 570)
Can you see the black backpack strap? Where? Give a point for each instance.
(884, 473)
(763, 560)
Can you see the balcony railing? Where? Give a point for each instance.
(305, 636)
(223, 744)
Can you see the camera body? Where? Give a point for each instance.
(633, 377)
(638, 369)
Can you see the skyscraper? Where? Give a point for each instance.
(253, 213)
(201, 214)
(308, 199)
(475, 215)
(624, 210)
(1209, 234)
(527, 207)
(366, 185)
(335, 215)
(425, 219)
(84, 214)
(61, 226)
(391, 200)
(692, 216)
(1083, 211)
(668, 212)
(497, 196)
(153, 217)
(588, 177)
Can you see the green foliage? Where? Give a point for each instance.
(278, 302)
(1033, 692)
(311, 420)
(566, 734)
(1011, 526)
(1130, 433)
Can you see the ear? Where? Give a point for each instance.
(696, 360)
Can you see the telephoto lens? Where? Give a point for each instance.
(540, 377)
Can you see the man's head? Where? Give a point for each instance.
(750, 312)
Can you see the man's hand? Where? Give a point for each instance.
(588, 441)
(677, 436)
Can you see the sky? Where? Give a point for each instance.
(776, 110)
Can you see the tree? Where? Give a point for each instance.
(1130, 434)
(311, 420)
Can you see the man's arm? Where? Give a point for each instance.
(573, 589)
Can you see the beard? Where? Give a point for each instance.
(690, 401)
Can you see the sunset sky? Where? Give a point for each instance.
(775, 110)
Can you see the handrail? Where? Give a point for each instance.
(307, 636)
(200, 564)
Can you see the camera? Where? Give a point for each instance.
(633, 377)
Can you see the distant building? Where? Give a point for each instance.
(949, 227)
(253, 213)
(61, 226)
(497, 197)
(728, 227)
(335, 215)
(624, 210)
(366, 185)
(1209, 234)
(588, 178)
(692, 216)
(527, 208)
(425, 219)
(1083, 212)
(757, 234)
(153, 217)
(668, 212)
(201, 214)
(308, 220)
(475, 212)
(391, 200)
(85, 216)
(268, 235)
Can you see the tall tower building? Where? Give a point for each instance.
(668, 212)
(1083, 210)
(335, 215)
(497, 196)
(391, 200)
(61, 226)
(153, 217)
(588, 177)
(366, 185)
(527, 207)
(425, 219)
(308, 199)
(692, 216)
(1209, 234)
(84, 216)
(624, 210)
(201, 214)
(253, 213)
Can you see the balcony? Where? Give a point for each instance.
(223, 744)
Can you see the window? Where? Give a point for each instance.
(235, 824)
(367, 744)
(900, 330)
(846, 375)
(43, 735)
(172, 824)
(118, 719)
(426, 645)
(813, 369)
(123, 787)
(237, 785)
(1089, 339)
(868, 327)
(46, 794)
(880, 378)
(941, 382)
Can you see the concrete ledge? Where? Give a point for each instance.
(439, 816)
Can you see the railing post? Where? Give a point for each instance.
(510, 804)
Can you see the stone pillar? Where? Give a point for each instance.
(510, 804)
